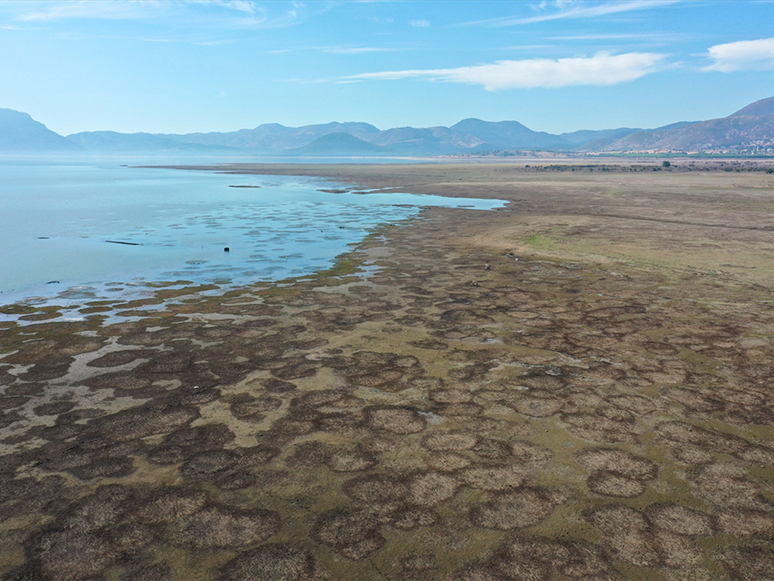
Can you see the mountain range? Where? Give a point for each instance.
(748, 131)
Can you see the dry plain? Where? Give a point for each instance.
(576, 386)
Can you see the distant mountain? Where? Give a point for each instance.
(110, 141)
(763, 108)
(340, 144)
(508, 134)
(586, 136)
(19, 133)
(276, 137)
(426, 141)
(749, 130)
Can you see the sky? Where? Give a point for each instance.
(557, 66)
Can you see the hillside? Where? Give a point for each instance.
(340, 144)
(20, 133)
(749, 130)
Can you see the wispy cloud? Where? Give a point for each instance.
(354, 50)
(600, 69)
(83, 9)
(419, 23)
(212, 14)
(574, 9)
(742, 55)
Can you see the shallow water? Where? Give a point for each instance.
(74, 227)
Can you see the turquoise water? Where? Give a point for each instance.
(68, 225)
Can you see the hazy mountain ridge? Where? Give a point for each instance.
(19, 133)
(749, 130)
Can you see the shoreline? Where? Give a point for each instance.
(510, 393)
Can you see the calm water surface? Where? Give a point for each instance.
(70, 227)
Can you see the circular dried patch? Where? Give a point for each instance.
(210, 462)
(448, 462)
(692, 455)
(278, 386)
(493, 478)
(431, 488)
(71, 555)
(170, 504)
(354, 534)
(617, 461)
(451, 396)
(628, 533)
(226, 528)
(745, 523)
(520, 508)
(614, 484)
(309, 455)
(748, 562)
(413, 517)
(396, 419)
(527, 559)
(450, 441)
(270, 563)
(600, 429)
(351, 460)
(122, 381)
(679, 519)
(536, 407)
(528, 452)
(635, 403)
(376, 489)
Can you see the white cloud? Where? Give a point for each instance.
(601, 69)
(742, 55)
(576, 9)
(419, 23)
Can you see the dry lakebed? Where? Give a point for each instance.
(577, 386)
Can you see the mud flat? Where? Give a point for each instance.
(578, 386)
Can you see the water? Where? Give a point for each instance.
(81, 228)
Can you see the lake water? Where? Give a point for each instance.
(74, 227)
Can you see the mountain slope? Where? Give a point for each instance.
(19, 133)
(340, 144)
(135, 142)
(507, 134)
(763, 108)
(740, 131)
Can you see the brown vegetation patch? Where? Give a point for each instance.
(220, 527)
(628, 533)
(755, 561)
(449, 441)
(496, 478)
(680, 520)
(376, 488)
(270, 563)
(355, 534)
(617, 461)
(515, 509)
(118, 358)
(614, 484)
(398, 420)
(596, 428)
(431, 488)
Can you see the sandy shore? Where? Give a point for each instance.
(577, 386)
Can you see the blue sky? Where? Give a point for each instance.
(555, 66)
